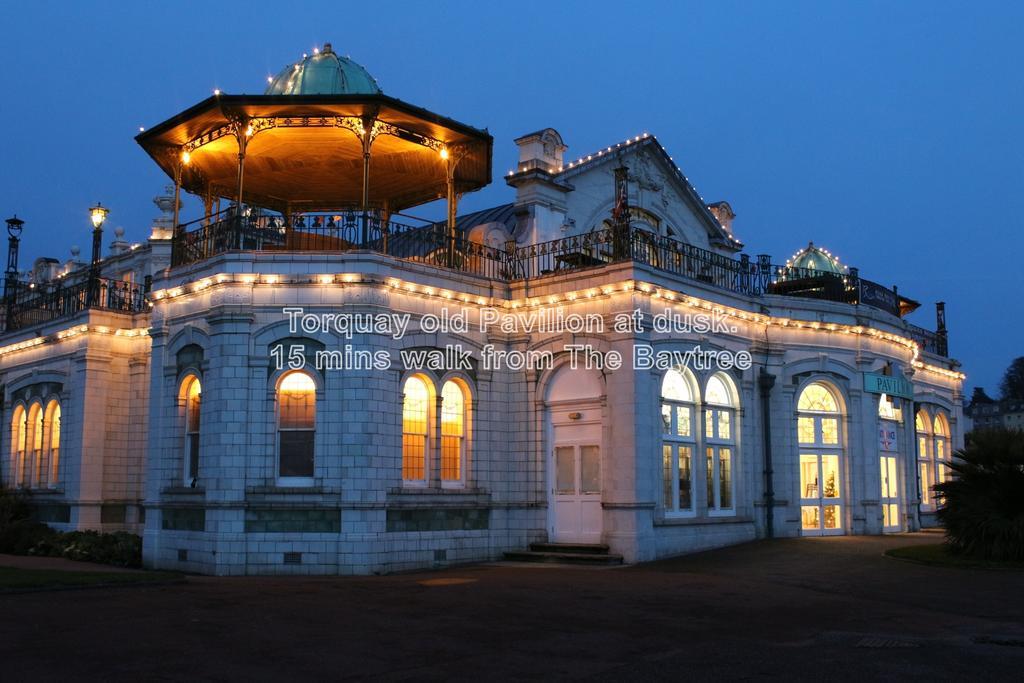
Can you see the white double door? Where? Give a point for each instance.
(575, 476)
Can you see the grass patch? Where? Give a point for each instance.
(14, 580)
(938, 554)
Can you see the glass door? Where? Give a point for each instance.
(890, 494)
(820, 494)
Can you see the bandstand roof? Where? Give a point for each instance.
(304, 152)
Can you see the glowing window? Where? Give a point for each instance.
(296, 425)
(888, 410)
(675, 387)
(35, 469)
(817, 398)
(677, 409)
(415, 418)
(18, 441)
(52, 421)
(719, 435)
(453, 432)
(191, 393)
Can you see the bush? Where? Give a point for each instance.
(983, 511)
(21, 535)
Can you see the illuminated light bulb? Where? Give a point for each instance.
(142, 129)
(444, 153)
(216, 91)
(186, 157)
(316, 50)
(248, 131)
(326, 279)
(270, 79)
(350, 277)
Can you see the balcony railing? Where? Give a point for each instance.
(432, 244)
(28, 304)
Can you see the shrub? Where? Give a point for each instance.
(14, 506)
(21, 535)
(983, 512)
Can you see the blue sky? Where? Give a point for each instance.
(890, 133)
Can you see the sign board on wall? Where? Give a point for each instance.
(886, 437)
(893, 385)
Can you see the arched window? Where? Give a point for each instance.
(454, 409)
(192, 394)
(818, 425)
(296, 426)
(34, 475)
(52, 421)
(940, 431)
(925, 455)
(18, 440)
(415, 429)
(677, 440)
(720, 405)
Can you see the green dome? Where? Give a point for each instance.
(816, 258)
(323, 73)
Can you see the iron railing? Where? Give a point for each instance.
(932, 342)
(29, 304)
(431, 243)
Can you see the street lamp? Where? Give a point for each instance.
(14, 226)
(97, 214)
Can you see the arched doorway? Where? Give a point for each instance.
(574, 467)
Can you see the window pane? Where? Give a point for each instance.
(675, 387)
(724, 424)
(590, 469)
(725, 478)
(831, 517)
(940, 448)
(885, 478)
(296, 454)
(683, 427)
(666, 476)
(414, 448)
(666, 418)
(809, 517)
(451, 458)
(805, 429)
(193, 397)
(193, 456)
(922, 447)
(685, 478)
(452, 409)
(829, 431)
(717, 393)
(709, 424)
(926, 485)
(415, 406)
(565, 470)
(818, 399)
(809, 476)
(711, 477)
(830, 476)
(296, 397)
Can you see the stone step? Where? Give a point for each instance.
(563, 558)
(578, 548)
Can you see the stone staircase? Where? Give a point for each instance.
(592, 554)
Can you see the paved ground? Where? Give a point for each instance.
(798, 609)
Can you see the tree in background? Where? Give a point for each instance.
(1012, 387)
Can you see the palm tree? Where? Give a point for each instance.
(983, 512)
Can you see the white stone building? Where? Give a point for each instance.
(176, 390)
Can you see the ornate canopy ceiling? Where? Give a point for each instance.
(306, 152)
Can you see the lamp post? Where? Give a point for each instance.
(14, 226)
(98, 214)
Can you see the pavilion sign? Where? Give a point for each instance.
(891, 385)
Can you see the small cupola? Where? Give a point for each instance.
(542, 150)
